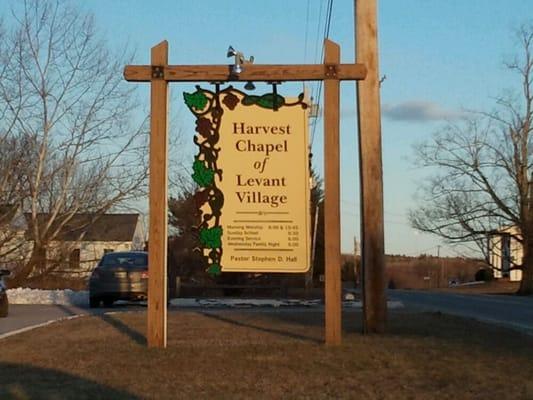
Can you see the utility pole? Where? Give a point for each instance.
(355, 269)
(441, 268)
(371, 170)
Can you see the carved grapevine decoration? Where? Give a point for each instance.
(207, 107)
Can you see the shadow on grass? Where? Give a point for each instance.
(459, 329)
(68, 311)
(405, 324)
(120, 326)
(315, 319)
(30, 383)
(260, 328)
(136, 336)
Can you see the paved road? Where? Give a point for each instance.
(510, 311)
(25, 315)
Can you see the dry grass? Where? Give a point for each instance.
(275, 355)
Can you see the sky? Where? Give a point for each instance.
(440, 58)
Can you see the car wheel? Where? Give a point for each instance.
(4, 306)
(94, 302)
(108, 301)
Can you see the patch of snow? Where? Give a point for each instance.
(65, 297)
(243, 303)
(470, 283)
(276, 303)
(349, 296)
(81, 298)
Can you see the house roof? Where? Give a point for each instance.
(506, 229)
(95, 228)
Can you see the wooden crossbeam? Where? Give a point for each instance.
(251, 72)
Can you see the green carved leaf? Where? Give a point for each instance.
(211, 237)
(250, 100)
(202, 175)
(197, 100)
(214, 270)
(265, 101)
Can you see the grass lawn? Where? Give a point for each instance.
(267, 355)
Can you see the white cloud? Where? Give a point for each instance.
(419, 111)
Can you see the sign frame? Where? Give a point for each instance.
(159, 73)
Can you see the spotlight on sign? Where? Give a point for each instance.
(249, 85)
(237, 67)
(231, 52)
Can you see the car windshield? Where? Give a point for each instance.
(124, 259)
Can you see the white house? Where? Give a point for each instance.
(505, 250)
(74, 252)
(86, 238)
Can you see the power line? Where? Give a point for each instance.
(315, 58)
(326, 34)
(306, 30)
(327, 27)
(318, 33)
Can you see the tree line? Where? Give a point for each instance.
(482, 182)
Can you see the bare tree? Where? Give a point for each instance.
(484, 171)
(8, 195)
(11, 189)
(64, 99)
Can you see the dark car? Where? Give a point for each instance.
(119, 276)
(4, 303)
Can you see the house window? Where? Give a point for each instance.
(108, 251)
(506, 254)
(74, 259)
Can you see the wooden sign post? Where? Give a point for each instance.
(159, 74)
(332, 214)
(157, 240)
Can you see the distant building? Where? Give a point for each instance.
(78, 246)
(505, 251)
(85, 238)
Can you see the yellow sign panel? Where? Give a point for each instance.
(265, 182)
